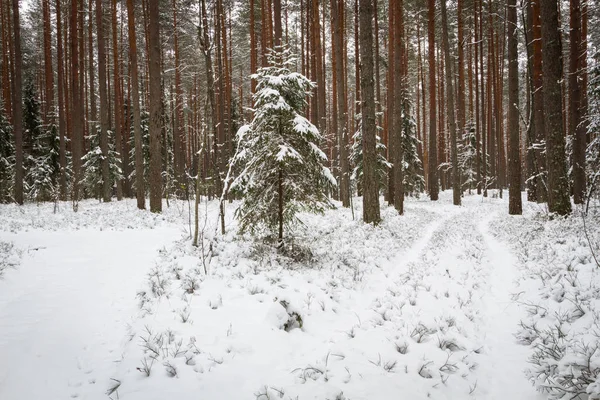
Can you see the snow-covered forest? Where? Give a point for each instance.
(300, 199)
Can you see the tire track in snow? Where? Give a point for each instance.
(506, 359)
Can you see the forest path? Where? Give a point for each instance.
(64, 311)
(505, 357)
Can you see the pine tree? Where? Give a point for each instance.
(282, 168)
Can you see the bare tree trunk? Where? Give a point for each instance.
(558, 184)
(577, 128)
(155, 107)
(396, 133)
(17, 104)
(61, 107)
(118, 98)
(104, 117)
(370, 182)
(433, 163)
(77, 105)
(456, 189)
(137, 120)
(49, 74)
(342, 114)
(514, 160)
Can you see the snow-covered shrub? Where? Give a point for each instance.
(282, 167)
(562, 297)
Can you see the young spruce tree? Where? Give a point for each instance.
(282, 169)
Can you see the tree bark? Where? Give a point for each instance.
(558, 184)
(155, 97)
(577, 128)
(342, 114)
(104, 117)
(17, 104)
(456, 185)
(48, 70)
(433, 163)
(398, 110)
(118, 98)
(514, 160)
(137, 120)
(371, 212)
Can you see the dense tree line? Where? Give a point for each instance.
(116, 98)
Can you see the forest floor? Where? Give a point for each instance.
(113, 302)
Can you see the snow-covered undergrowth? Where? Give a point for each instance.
(118, 215)
(10, 256)
(348, 311)
(561, 293)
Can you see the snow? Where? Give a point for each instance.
(113, 301)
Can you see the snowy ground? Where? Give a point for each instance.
(115, 302)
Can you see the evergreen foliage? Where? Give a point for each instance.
(414, 182)
(144, 117)
(282, 169)
(356, 156)
(467, 158)
(92, 165)
(7, 158)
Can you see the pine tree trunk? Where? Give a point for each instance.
(577, 128)
(396, 135)
(342, 115)
(456, 186)
(514, 160)
(4, 31)
(433, 163)
(104, 117)
(48, 71)
(539, 131)
(118, 98)
(370, 181)
(558, 184)
(76, 114)
(155, 97)
(137, 120)
(17, 102)
(61, 107)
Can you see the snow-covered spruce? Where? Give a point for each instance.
(92, 164)
(356, 155)
(282, 169)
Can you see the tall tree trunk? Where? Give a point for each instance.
(370, 182)
(155, 98)
(76, 114)
(558, 184)
(61, 107)
(104, 117)
(6, 61)
(577, 128)
(342, 114)
(456, 186)
(49, 74)
(17, 104)
(396, 136)
(118, 98)
(137, 120)
(514, 160)
(539, 131)
(461, 70)
(433, 163)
